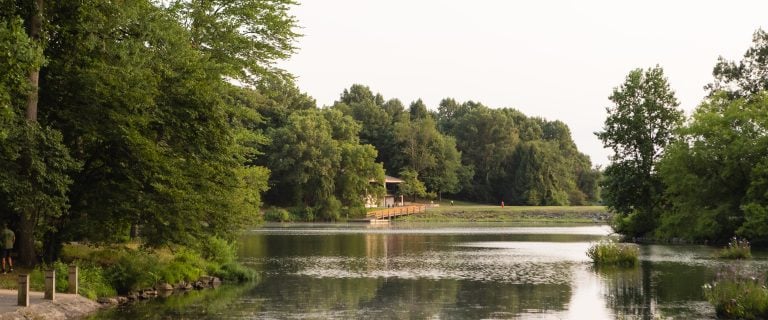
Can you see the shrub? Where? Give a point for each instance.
(736, 249)
(186, 265)
(37, 277)
(219, 250)
(738, 294)
(236, 272)
(608, 252)
(92, 282)
(278, 215)
(135, 271)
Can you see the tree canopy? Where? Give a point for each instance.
(639, 126)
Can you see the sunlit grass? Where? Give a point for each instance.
(610, 253)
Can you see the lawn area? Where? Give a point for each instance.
(471, 212)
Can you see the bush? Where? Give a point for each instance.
(92, 281)
(37, 277)
(219, 250)
(736, 249)
(134, 271)
(278, 215)
(608, 252)
(236, 272)
(738, 294)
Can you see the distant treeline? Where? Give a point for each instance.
(322, 160)
(704, 178)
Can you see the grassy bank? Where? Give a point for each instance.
(469, 212)
(106, 271)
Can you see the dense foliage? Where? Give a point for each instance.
(130, 126)
(704, 180)
(639, 126)
(474, 152)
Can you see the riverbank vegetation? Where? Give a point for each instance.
(698, 179)
(738, 294)
(610, 253)
(737, 249)
(484, 213)
(106, 271)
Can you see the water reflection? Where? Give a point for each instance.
(332, 271)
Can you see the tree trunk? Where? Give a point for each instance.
(25, 237)
(35, 28)
(25, 240)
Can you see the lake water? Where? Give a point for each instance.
(421, 271)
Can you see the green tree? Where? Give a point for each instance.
(35, 163)
(715, 174)
(411, 185)
(243, 37)
(640, 124)
(319, 164)
(376, 120)
(418, 110)
(747, 77)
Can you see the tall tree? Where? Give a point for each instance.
(35, 163)
(640, 124)
(715, 174)
(746, 77)
(244, 37)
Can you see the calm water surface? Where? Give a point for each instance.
(418, 271)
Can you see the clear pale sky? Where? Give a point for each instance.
(556, 59)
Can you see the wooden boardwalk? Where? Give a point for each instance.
(389, 213)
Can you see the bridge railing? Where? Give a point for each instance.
(396, 212)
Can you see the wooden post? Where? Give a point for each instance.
(23, 290)
(73, 279)
(50, 285)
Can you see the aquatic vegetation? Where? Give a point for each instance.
(736, 249)
(608, 252)
(738, 294)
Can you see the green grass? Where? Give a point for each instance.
(736, 249)
(738, 294)
(471, 212)
(108, 270)
(610, 253)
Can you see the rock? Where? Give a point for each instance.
(205, 279)
(132, 296)
(164, 287)
(184, 286)
(109, 301)
(199, 285)
(122, 300)
(215, 282)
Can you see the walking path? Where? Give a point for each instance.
(66, 306)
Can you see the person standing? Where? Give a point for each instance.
(8, 238)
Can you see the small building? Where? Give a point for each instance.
(390, 199)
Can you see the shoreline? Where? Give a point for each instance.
(553, 214)
(65, 307)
